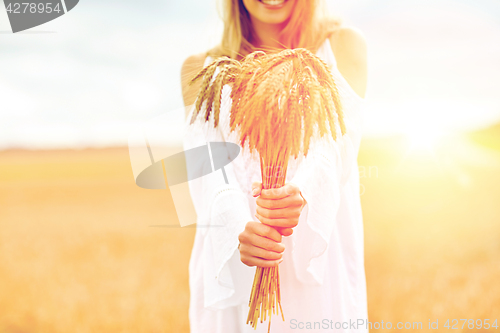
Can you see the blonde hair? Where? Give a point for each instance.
(307, 27)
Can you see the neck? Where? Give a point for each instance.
(266, 35)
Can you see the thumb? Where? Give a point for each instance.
(256, 188)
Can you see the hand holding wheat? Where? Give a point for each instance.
(280, 207)
(260, 245)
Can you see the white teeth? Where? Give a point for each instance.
(273, 2)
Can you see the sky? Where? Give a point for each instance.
(88, 78)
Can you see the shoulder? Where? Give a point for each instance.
(350, 50)
(349, 41)
(191, 66)
(351, 35)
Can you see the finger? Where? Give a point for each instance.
(266, 243)
(285, 231)
(256, 188)
(290, 201)
(254, 261)
(280, 192)
(304, 200)
(275, 193)
(282, 213)
(280, 223)
(259, 252)
(265, 231)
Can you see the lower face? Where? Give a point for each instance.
(270, 11)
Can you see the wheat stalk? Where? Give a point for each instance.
(277, 101)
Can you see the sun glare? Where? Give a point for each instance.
(423, 137)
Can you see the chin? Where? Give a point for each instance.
(270, 11)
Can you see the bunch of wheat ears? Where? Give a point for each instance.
(278, 99)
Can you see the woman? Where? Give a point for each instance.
(316, 217)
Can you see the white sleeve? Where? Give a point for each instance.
(223, 211)
(319, 177)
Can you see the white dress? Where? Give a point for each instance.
(323, 284)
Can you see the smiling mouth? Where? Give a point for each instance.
(273, 2)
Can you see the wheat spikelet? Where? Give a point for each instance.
(205, 84)
(310, 110)
(338, 107)
(271, 91)
(297, 129)
(326, 98)
(258, 104)
(236, 93)
(294, 133)
(315, 103)
(327, 79)
(241, 82)
(207, 90)
(246, 87)
(199, 75)
(212, 66)
(320, 68)
(289, 120)
(309, 125)
(218, 85)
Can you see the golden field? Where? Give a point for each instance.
(81, 249)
